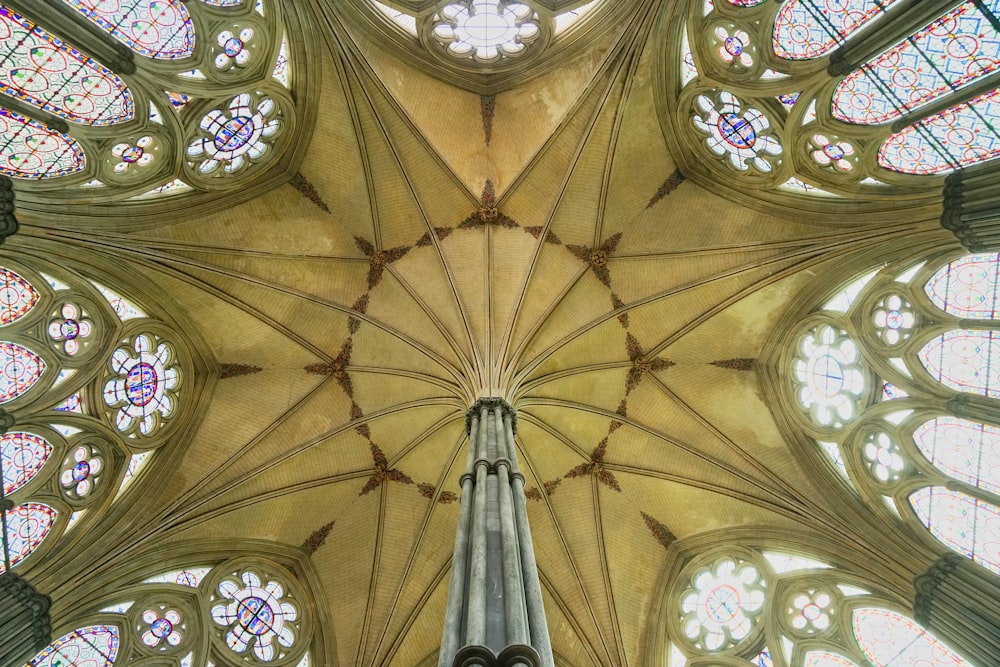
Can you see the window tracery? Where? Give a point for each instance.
(802, 612)
(247, 611)
(63, 342)
(244, 52)
(916, 446)
(916, 108)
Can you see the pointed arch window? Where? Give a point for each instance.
(893, 640)
(160, 29)
(943, 470)
(40, 70)
(967, 361)
(810, 615)
(92, 646)
(966, 524)
(805, 29)
(956, 49)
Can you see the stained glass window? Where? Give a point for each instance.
(93, 646)
(29, 150)
(828, 375)
(160, 29)
(20, 368)
(23, 456)
(255, 615)
(826, 659)
(722, 603)
(485, 31)
(953, 51)
(144, 385)
(27, 526)
(746, 3)
(892, 640)
(222, 3)
(962, 449)
(957, 137)
(807, 29)
(969, 287)
(966, 361)
(42, 71)
(969, 526)
(17, 297)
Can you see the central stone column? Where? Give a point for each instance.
(495, 614)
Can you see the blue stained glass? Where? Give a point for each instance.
(23, 456)
(807, 29)
(42, 71)
(960, 136)
(967, 361)
(956, 49)
(160, 29)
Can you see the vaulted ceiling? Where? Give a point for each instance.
(413, 266)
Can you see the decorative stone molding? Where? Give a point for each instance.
(957, 601)
(8, 222)
(972, 207)
(25, 626)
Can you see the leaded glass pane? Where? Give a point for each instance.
(27, 526)
(953, 51)
(966, 361)
(29, 150)
(829, 379)
(17, 297)
(160, 29)
(23, 455)
(960, 136)
(893, 640)
(963, 523)
(20, 368)
(94, 646)
(962, 449)
(826, 659)
(42, 71)
(969, 287)
(807, 29)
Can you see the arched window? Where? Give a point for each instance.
(228, 64)
(96, 385)
(903, 105)
(918, 336)
(805, 29)
(247, 611)
(752, 603)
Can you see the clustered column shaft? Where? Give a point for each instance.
(959, 601)
(972, 207)
(495, 614)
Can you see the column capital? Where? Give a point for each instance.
(490, 403)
